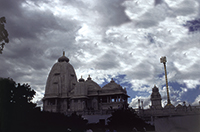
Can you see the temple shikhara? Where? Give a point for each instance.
(65, 94)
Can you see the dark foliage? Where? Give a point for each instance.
(55, 122)
(15, 104)
(125, 120)
(3, 34)
(19, 114)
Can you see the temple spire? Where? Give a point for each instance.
(63, 58)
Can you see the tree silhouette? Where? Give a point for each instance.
(55, 122)
(15, 104)
(19, 114)
(3, 34)
(6, 85)
(76, 120)
(125, 120)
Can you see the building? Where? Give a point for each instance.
(170, 118)
(65, 94)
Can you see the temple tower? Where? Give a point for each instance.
(156, 98)
(61, 81)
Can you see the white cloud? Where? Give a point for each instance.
(191, 83)
(197, 101)
(146, 102)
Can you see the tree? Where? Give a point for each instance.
(125, 120)
(5, 105)
(76, 120)
(15, 104)
(55, 122)
(22, 96)
(3, 34)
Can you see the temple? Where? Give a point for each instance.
(65, 94)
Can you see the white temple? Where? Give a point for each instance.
(65, 94)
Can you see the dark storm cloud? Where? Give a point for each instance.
(142, 71)
(25, 23)
(12, 69)
(27, 53)
(107, 61)
(156, 2)
(193, 25)
(32, 24)
(185, 8)
(113, 12)
(153, 17)
(31, 34)
(75, 3)
(187, 74)
(9, 8)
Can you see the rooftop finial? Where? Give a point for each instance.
(112, 80)
(81, 79)
(63, 58)
(89, 78)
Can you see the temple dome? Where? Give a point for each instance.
(63, 58)
(91, 84)
(61, 79)
(81, 79)
(112, 85)
(113, 88)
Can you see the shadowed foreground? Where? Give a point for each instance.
(19, 114)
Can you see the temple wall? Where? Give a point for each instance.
(188, 123)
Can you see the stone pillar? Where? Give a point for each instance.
(142, 104)
(139, 103)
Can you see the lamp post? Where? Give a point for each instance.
(164, 60)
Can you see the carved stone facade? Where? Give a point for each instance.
(156, 99)
(64, 94)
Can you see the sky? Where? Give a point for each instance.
(119, 39)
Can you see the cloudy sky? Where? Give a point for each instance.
(120, 39)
